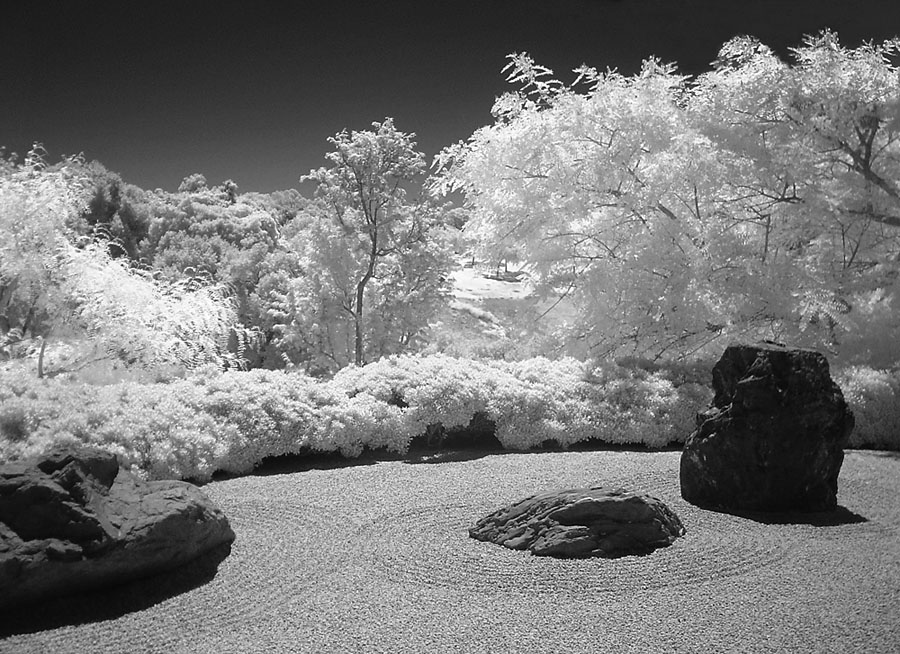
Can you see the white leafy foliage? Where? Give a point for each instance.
(874, 397)
(819, 305)
(145, 320)
(35, 204)
(362, 271)
(758, 200)
(573, 188)
(532, 401)
(371, 221)
(189, 428)
(79, 287)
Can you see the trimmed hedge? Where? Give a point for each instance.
(533, 401)
(190, 428)
(874, 397)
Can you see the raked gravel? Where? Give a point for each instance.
(376, 558)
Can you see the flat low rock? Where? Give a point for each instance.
(74, 520)
(580, 523)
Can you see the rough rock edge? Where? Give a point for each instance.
(582, 523)
(107, 527)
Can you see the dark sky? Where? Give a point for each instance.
(160, 89)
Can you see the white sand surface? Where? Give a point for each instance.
(376, 558)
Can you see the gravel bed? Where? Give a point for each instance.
(376, 558)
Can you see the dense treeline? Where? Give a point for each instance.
(759, 200)
(209, 275)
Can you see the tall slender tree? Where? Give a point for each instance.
(365, 195)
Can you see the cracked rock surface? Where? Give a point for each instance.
(773, 439)
(580, 523)
(73, 520)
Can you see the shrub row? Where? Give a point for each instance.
(189, 428)
(534, 400)
(874, 397)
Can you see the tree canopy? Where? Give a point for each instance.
(757, 200)
(373, 256)
(760, 199)
(56, 281)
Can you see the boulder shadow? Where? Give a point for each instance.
(440, 445)
(839, 516)
(307, 460)
(112, 602)
(429, 456)
(881, 454)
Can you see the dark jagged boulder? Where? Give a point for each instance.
(773, 439)
(580, 523)
(73, 520)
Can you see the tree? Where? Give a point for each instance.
(112, 212)
(365, 199)
(193, 183)
(37, 206)
(229, 190)
(308, 288)
(586, 188)
(813, 150)
(756, 200)
(146, 321)
(55, 282)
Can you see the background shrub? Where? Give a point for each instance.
(191, 427)
(534, 400)
(874, 397)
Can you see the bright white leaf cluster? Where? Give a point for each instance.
(145, 320)
(56, 285)
(760, 200)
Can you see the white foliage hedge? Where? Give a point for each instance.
(190, 428)
(534, 400)
(874, 398)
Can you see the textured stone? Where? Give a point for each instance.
(73, 520)
(773, 437)
(579, 523)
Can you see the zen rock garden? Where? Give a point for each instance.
(74, 520)
(772, 440)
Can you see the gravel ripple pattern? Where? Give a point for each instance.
(377, 558)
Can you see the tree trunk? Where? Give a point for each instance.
(360, 293)
(41, 358)
(358, 317)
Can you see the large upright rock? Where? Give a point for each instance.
(774, 437)
(73, 520)
(580, 523)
